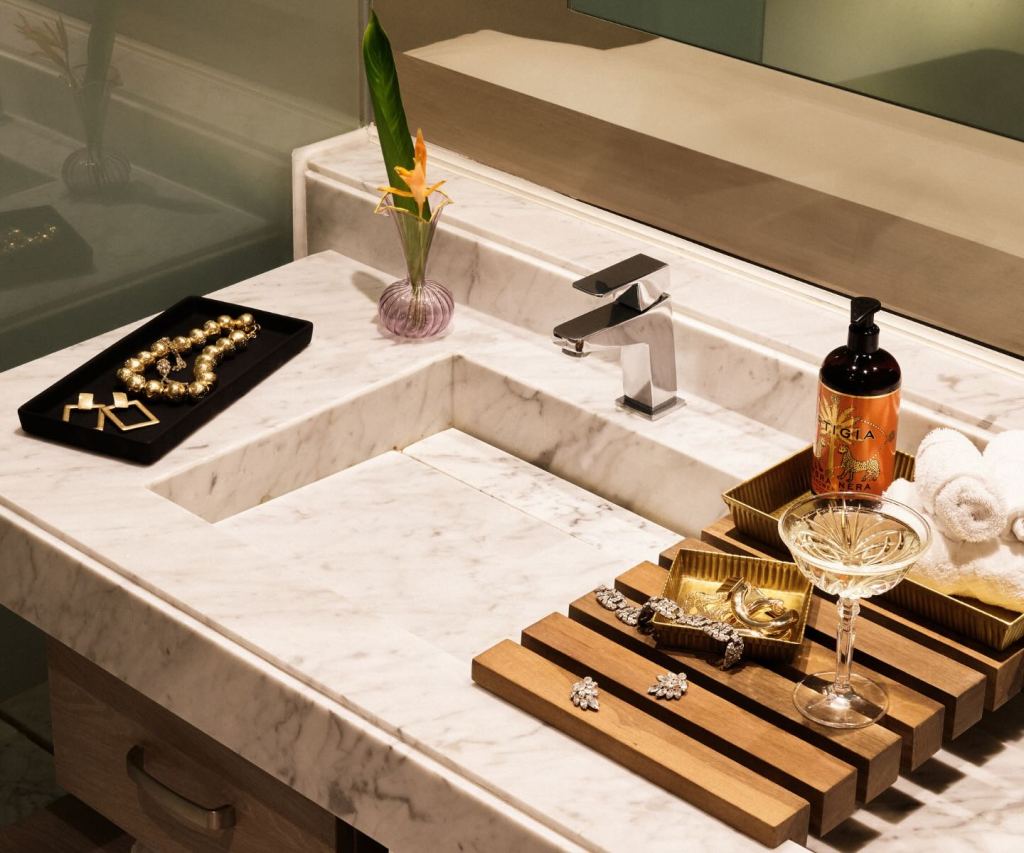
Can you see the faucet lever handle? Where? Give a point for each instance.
(639, 282)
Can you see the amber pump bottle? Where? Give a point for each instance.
(858, 410)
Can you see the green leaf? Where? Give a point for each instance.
(392, 128)
(99, 50)
(100, 47)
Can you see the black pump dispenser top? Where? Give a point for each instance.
(863, 336)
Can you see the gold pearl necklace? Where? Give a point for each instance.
(236, 336)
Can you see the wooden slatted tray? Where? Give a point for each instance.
(1003, 671)
(735, 745)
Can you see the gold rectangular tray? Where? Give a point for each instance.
(757, 503)
(995, 627)
(704, 571)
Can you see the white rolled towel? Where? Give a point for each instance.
(906, 493)
(939, 567)
(935, 567)
(995, 572)
(1005, 457)
(957, 488)
(992, 572)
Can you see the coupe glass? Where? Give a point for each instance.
(854, 546)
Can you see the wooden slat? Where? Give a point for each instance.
(873, 751)
(709, 780)
(827, 783)
(959, 687)
(916, 718)
(919, 724)
(1003, 671)
(724, 536)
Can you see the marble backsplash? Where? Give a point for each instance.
(748, 339)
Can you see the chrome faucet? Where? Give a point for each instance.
(638, 318)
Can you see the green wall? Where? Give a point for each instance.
(733, 27)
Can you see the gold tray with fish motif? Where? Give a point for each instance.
(704, 571)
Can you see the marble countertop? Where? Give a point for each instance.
(306, 577)
(286, 550)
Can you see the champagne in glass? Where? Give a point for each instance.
(852, 545)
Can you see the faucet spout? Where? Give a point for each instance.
(574, 335)
(639, 323)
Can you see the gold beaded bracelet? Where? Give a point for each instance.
(16, 240)
(236, 336)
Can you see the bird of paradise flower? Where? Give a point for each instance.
(415, 227)
(415, 179)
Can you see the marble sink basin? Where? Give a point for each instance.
(639, 470)
(448, 471)
(475, 471)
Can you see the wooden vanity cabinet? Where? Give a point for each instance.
(166, 783)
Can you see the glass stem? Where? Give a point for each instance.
(416, 257)
(848, 610)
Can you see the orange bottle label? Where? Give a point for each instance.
(855, 444)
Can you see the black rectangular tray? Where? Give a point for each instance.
(280, 339)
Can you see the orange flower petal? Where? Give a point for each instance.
(420, 157)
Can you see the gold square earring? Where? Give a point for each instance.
(121, 401)
(86, 404)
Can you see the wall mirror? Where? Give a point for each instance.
(145, 150)
(957, 59)
(681, 107)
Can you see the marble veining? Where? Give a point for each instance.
(568, 508)
(552, 419)
(203, 615)
(295, 732)
(967, 798)
(246, 580)
(427, 552)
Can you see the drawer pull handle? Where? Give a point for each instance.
(193, 814)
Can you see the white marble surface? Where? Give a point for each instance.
(968, 798)
(254, 560)
(330, 754)
(566, 507)
(239, 581)
(428, 553)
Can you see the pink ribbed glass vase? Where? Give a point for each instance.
(415, 306)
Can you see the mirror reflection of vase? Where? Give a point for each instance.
(96, 168)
